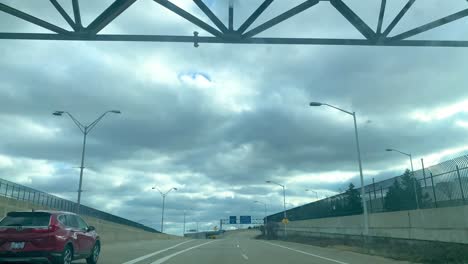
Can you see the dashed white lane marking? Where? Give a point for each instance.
(160, 261)
(154, 253)
(307, 253)
(245, 257)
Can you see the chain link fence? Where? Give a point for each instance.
(19, 192)
(441, 185)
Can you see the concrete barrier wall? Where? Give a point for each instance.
(108, 231)
(448, 224)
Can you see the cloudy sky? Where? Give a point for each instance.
(219, 120)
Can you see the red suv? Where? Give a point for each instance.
(47, 236)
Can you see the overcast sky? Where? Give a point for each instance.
(219, 120)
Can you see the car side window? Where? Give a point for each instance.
(71, 221)
(81, 223)
(62, 219)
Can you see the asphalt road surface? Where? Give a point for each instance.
(236, 248)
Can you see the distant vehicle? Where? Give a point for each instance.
(47, 236)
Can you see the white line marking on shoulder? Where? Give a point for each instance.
(307, 253)
(160, 261)
(154, 253)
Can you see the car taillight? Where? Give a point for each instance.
(7, 230)
(40, 230)
(46, 229)
(53, 228)
(54, 224)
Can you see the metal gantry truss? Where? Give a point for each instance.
(227, 34)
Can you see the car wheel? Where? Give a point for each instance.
(93, 259)
(66, 256)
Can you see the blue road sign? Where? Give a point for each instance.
(245, 220)
(233, 220)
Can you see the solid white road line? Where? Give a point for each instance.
(162, 260)
(307, 253)
(154, 253)
(245, 257)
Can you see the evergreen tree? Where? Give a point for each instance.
(401, 195)
(393, 198)
(353, 199)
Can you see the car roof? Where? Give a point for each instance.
(55, 212)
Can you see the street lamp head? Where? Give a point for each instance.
(315, 104)
(58, 113)
(115, 111)
(389, 150)
(153, 188)
(175, 189)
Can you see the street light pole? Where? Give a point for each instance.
(284, 201)
(316, 193)
(163, 204)
(284, 204)
(85, 130)
(184, 224)
(412, 173)
(358, 149)
(81, 169)
(363, 194)
(162, 215)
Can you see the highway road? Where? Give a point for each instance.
(239, 247)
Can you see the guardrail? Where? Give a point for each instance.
(23, 193)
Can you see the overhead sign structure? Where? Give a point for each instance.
(232, 220)
(245, 220)
(246, 33)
